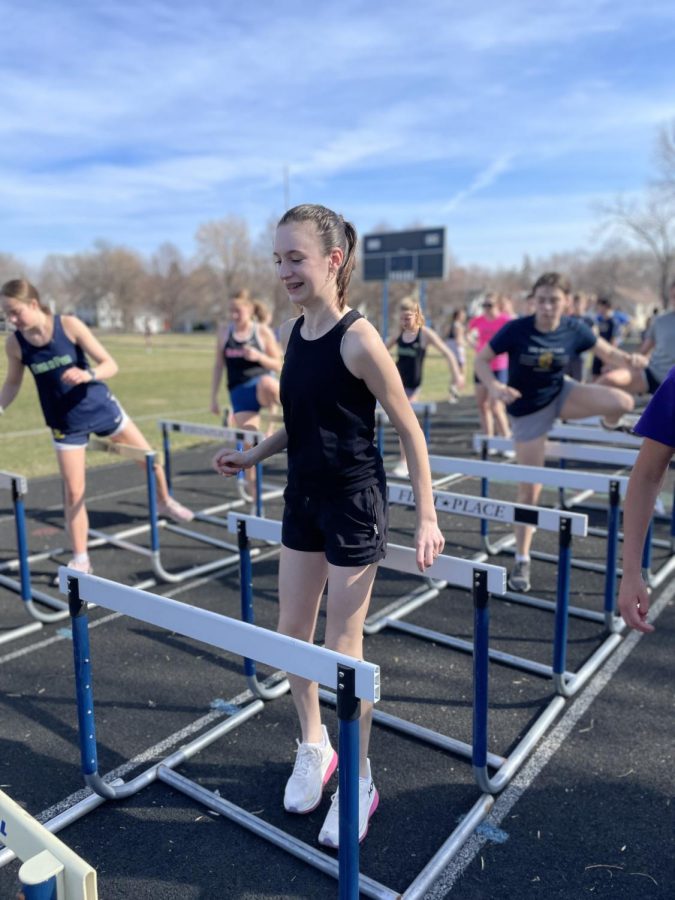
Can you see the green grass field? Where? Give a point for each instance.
(173, 380)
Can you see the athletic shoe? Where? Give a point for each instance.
(314, 765)
(519, 579)
(508, 454)
(175, 510)
(621, 426)
(329, 835)
(400, 470)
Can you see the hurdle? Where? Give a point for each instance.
(613, 485)
(586, 453)
(354, 680)
(153, 553)
(18, 487)
(591, 434)
(50, 870)
(566, 525)
(483, 580)
(238, 437)
(424, 410)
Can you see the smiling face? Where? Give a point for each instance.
(550, 304)
(305, 271)
(22, 314)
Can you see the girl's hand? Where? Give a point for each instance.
(230, 462)
(74, 375)
(429, 543)
(634, 604)
(251, 354)
(503, 393)
(215, 408)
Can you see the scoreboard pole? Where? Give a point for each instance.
(385, 310)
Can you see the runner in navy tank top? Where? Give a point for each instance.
(334, 525)
(411, 347)
(249, 354)
(75, 400)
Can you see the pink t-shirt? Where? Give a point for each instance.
(486, 329)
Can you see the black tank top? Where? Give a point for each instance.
(329, 416)
(410, 360)
(239, 369)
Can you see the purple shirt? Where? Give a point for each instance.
(658, 420)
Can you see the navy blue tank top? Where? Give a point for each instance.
(240, 370)
(410, 360)
(66, 408)
(329, 416)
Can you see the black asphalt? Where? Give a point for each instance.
(591, 812)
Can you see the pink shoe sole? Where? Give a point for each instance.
(374, 805)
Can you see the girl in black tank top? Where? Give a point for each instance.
(411, 347)
(334, 527)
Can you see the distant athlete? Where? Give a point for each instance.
(74, 398)
(411, 347)
(539, 348)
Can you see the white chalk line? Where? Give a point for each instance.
(542, 756)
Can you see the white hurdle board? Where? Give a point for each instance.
(610, 456)
(588, 434)
(44, 856)
(558, 478)
(217, 432)
(495, 510)
(458, 572)
(7, 479)
(277, 650)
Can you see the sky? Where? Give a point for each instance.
(506, 121)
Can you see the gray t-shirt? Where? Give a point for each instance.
(662, 332)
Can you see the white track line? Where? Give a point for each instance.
(542, 756)
(152, 754)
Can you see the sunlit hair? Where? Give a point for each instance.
(333, 231)
(553, 280)
(261, 312)
(410, 304)
(23, 291)
(243, 296)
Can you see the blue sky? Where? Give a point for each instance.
(135, 122)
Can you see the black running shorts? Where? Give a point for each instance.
(351, 530)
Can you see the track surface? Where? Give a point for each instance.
(591, 812)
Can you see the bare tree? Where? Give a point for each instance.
(225, 246)
(649, 223)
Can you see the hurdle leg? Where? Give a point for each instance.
(612, 622)
(166, 445)
(246, 588)
(349, 711)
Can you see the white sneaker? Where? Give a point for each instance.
(400, 470)
(175, 510)
(508, 454)
(369, 799)
(314, 765)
